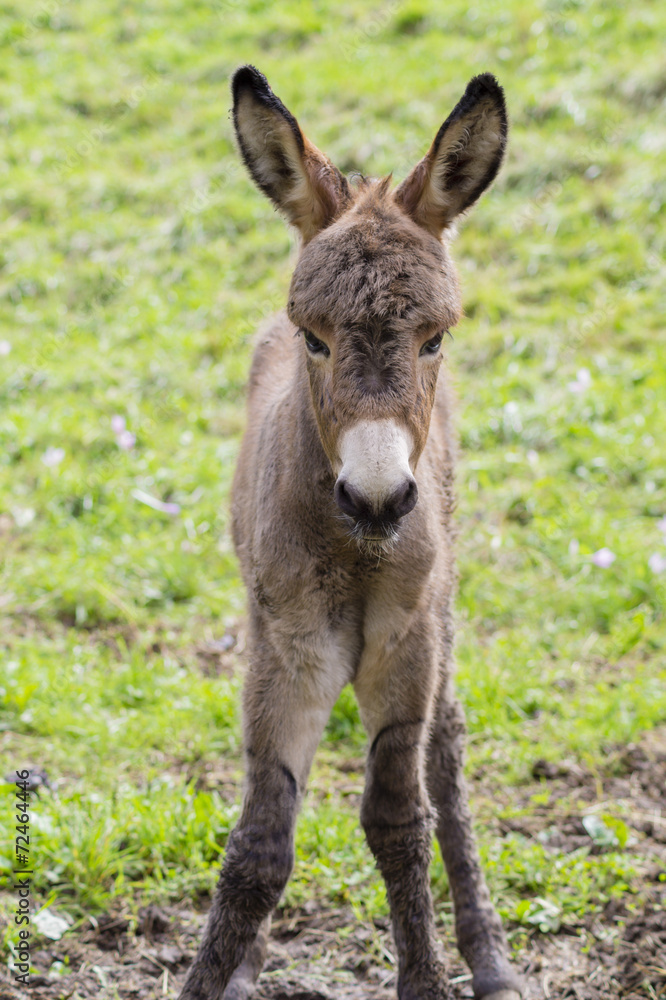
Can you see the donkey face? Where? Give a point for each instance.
(374, 289)
(373, 294)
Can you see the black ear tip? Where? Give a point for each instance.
(485, 83)
(249, 78)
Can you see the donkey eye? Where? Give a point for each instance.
(433, 345)
(315, 345)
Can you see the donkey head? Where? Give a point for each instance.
(374, 289)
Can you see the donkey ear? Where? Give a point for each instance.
(296, 176)
(463, 159)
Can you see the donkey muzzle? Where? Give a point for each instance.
(375, 485)
(376, 514)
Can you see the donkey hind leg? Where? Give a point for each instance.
(285, 715)
(479, 931)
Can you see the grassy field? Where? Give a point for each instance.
(136, 260)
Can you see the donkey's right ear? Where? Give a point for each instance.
(296, 176)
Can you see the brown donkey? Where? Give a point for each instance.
(342, 509)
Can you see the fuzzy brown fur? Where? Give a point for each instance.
(328, 606)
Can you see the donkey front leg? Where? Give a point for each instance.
(258, 862)
(396, 817)
(479, 931)
(243, 982)
(284, 713)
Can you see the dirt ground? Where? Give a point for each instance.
(620, 953)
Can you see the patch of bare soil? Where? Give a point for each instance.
(618, 954)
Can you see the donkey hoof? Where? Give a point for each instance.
(242, 984)
(239, 989)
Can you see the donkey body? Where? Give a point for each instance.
(342, 508)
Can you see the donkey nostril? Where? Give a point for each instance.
(355, 504)
(404, 499)
(347, 499)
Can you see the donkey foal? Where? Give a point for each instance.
(342, 508)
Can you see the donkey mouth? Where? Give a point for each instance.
(372, 514)
(376, 536)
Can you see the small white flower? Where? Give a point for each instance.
(117, 424)
(603, 558)
(657, 563)
(165, 506)
(53, 457)
(125, 440)
(23, 516)
(662, 525)
(50, 925)
(583, 381)
(5, 348)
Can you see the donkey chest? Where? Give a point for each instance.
(307, 596)
(361, 612)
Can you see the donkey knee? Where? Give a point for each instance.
(260, 851)
(256, 869)
(395, 812)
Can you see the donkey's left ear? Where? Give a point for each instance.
(463, 159)
(296, 176)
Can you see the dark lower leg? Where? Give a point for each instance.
(257, 865)
(479, 931)
(396, 818)
(242, 983)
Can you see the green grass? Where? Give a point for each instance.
(137, 259)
